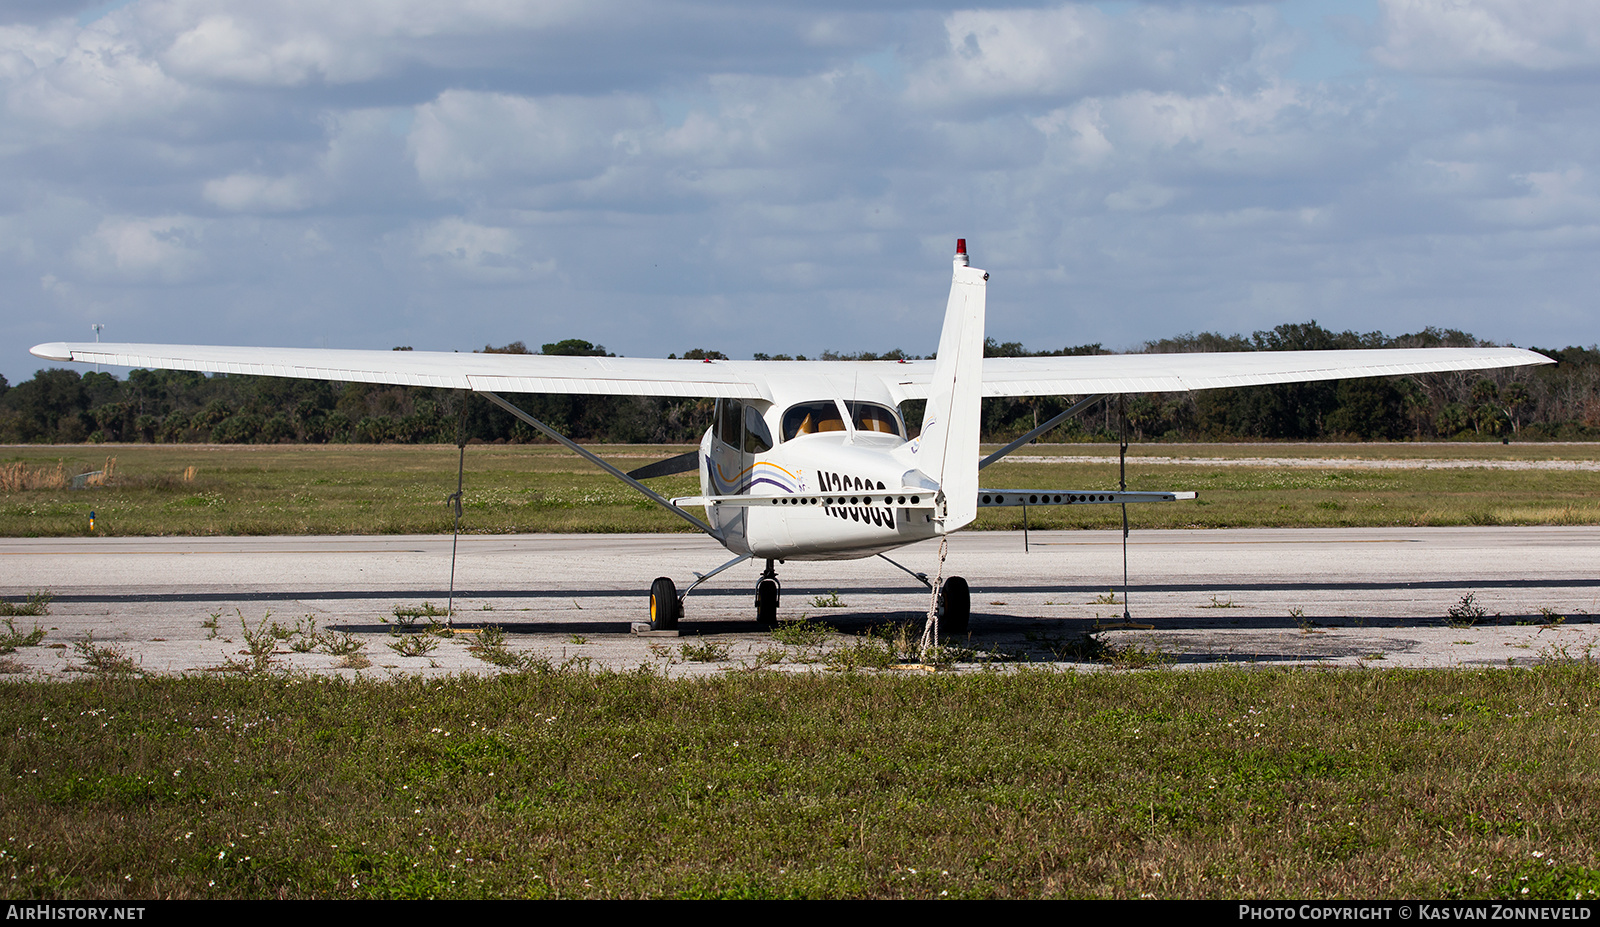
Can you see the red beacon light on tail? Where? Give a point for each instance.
(961, 252)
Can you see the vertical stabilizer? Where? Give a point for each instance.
(947, 451)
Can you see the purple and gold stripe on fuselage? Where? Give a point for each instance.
(762, 471)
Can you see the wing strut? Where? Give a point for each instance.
(594, 458)
(1077, 407)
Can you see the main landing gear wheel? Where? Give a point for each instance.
(664, 605)
(955, 607)
(767, 590)
(767, 602)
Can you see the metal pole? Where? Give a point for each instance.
(461, 470)
(1122, 486)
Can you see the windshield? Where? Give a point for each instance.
(869, 416)
(809, 418)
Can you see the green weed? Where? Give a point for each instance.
(12, 638)
(1542, 878)
(407, 616)
(490, 646)
(770, 656)
(1465, 613)
(802, 633)
(260, 643)
(38, 605)
(103, 659)
(414, 645)
(1562, 654)
(863, 653)
(704, 652)
(340, 643)
(305, 637)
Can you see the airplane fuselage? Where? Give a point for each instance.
(850, 528)
(811, 441)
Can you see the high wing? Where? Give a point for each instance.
(1174, 373)
(509, 373)
(629, 376)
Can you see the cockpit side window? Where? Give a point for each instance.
(869, 416)
(729, 426)
(757, 437)
(809, 418)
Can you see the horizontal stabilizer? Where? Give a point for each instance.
(922, 499)
(919, 499)
(1005, 498)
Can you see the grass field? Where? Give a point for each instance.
(401, 489)
(1215, 784)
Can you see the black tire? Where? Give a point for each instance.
(664, 605)
(955, 603)
(767, 602)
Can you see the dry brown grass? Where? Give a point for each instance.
(19, 476)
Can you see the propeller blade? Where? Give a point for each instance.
(682, 463)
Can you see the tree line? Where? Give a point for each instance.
(1559, 402)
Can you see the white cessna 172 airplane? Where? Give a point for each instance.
(810, 460)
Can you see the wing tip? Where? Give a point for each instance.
(54, 350)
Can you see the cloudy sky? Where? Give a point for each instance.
(791, 177)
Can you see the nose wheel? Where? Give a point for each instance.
(767, 595)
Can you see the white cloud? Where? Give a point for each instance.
(479, 253)
(469, 138)
(135, 248)
(258, 193)
(1140, 197)
(996, 55)
(83, 80)
(1549, 199)
(289, 43)
(220, 47)
(1463, 37)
